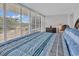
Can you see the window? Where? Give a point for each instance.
(33, 21)
(42, 23)
(25, 21)
(13, 21)
(1, 23)
(38, 21)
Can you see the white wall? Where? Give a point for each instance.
(55, 20)
(76, 14)
(69, 19)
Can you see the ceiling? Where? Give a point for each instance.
(49, 9)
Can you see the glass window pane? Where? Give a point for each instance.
(1, 23)
(33, 20)
(13, 21)
(25, 21)
(38, 21)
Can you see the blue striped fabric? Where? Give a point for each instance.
(71, 37)
(16, 39)
(48, 47)
(65, 48)
(31, 45)
(42, 46)
(16, 43)
(28, 45)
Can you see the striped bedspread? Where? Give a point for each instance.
(35, 44)
(71, 38)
